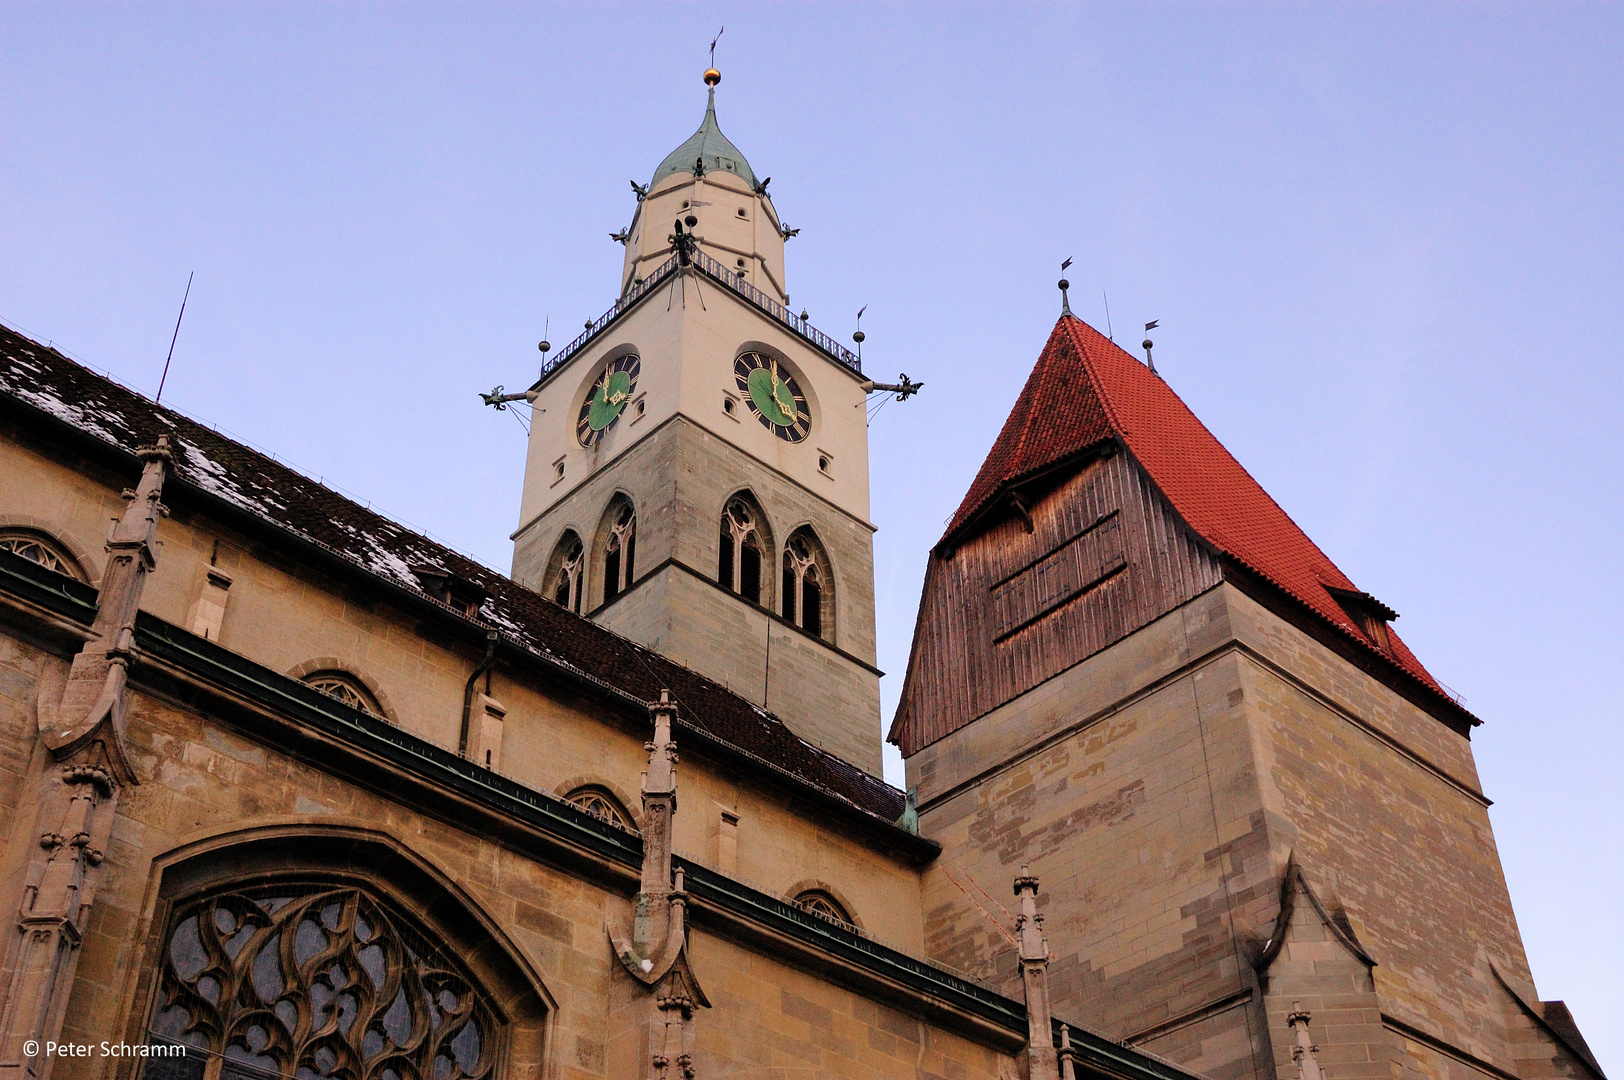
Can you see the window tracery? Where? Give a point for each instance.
(805, 582)
(569, 559)
(40, 548)
(601, 805)
(346, 688)
(316, 982)
(620, 551)
(819, 903)
(739, 565)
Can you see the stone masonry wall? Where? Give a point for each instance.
(203, 778)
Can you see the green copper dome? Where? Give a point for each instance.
(709, 146)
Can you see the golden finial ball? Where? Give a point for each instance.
(712, 77)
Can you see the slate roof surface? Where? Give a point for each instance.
(43, 378)
(1085, 389)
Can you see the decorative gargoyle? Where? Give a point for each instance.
(653, 949)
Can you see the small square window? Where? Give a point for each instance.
(558, 470)
(826, 463)
(730, 406)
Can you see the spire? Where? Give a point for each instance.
(707, 149)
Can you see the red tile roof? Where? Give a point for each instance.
(1085, 390)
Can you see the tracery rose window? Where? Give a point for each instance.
(37, 547)
(316, 982)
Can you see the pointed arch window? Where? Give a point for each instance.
(38, 547)
(806, 582)
(601, 805)
(346, 688)
(318, 982)
(620, 550)
(564, 574)
(738, 567)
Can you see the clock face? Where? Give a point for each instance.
(607, 398)
(774, 396)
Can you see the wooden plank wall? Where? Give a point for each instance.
(1011, 608)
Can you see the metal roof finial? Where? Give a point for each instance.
(1065, 301)
(712, 76)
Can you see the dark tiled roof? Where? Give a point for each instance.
(1084, 390)
(244, 478)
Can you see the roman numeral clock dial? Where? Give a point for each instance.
(774, 396)
(607, 399)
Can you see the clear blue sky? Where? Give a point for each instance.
(1384, 243)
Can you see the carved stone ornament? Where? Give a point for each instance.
(75, 803)
(318, 983)
(654, 948)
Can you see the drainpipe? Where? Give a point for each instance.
(491, 638)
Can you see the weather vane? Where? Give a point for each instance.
(1065, 301)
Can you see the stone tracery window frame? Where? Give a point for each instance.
(808, 587)
(566, 574)
(602, 804)
(743, 543)
(42, 548)
(820, 903)
(262, 1003)
(347, 688)
(619, 546)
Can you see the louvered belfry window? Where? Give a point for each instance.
(314, 982)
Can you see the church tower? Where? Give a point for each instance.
(1255, 814)
(697, 474)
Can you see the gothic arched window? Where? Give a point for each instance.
(808, 597)
(819, 903)
(738, 567)
(564, 572)
(41, 548)
(346, 688)
(601, 805)
(317, 982)
(620, 548)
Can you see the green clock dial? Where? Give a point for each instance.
(606, 400)
(773, 395)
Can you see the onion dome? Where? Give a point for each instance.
(708, 149)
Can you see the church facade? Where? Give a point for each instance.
(290, 790)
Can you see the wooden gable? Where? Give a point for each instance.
(1068, 564)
